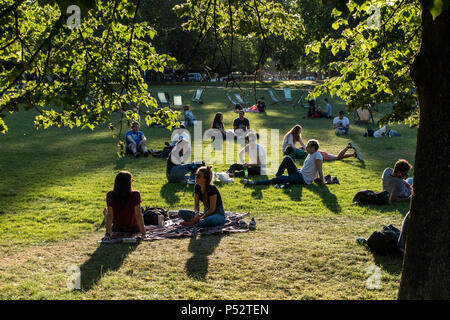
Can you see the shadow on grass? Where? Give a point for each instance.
(169, 191)
(392, 264)
(201, 247)
(359, 164)
(257, 192)
(402, 208)
(295, 192)
(105, 258)
(328, 198)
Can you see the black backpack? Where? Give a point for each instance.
(384, 242)
(371, 197)
(369, 133)
(151, 215)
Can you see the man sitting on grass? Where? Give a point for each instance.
(341, 124)
(394, 181)
(257, 155)
(241, 124)
(312, 167)
(135, 141)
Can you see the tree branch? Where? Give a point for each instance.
(55, 28)
(11, 8)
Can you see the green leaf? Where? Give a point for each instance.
(436, 6)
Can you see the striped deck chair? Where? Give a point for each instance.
(177, 102)
(163, 99)
(273, 97)
(240, 100)
(197, 96)
(287, 94)
(230, 99)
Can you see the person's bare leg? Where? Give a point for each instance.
(142, 147)
(342, 154)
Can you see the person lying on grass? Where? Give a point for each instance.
(135, 141)
(291, 139)
(257, 155)
(342, 154)
(123, 212)
(206, 192)
(312, 167)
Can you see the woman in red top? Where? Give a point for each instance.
(124, 207)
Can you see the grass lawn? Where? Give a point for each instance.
(53, 185)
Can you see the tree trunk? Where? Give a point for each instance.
(426, 265)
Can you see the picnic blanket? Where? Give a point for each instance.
(173, 229)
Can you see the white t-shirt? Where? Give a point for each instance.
(180, 134)
(309, 170)
(289, 140)
(254, 151)
(341, 122)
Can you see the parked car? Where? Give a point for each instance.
(192, 77)
(170, 77)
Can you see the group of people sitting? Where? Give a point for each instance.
(241, 126)
(316, 112)
(123, 212)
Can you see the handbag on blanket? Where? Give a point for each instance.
(151, 215)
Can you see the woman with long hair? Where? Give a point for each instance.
(207, 193)
(218, 124)
(123, 212)
(291, 139)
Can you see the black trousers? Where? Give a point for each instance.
(238, 170)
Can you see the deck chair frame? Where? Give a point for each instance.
(196, 97)
(357, 118)
(274, 97)
(177, 101)
(301, 100)
(240, 100)
(287, 91)
(230, 99)
(162, 99)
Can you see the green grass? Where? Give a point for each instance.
(53, 185)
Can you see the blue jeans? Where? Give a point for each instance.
(293, 177)
(215, 219)
(178, 173)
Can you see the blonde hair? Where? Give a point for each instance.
(296, 132)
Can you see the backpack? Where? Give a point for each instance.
(384, 242)
(369, 133)
(364, 197)
(151, 215)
